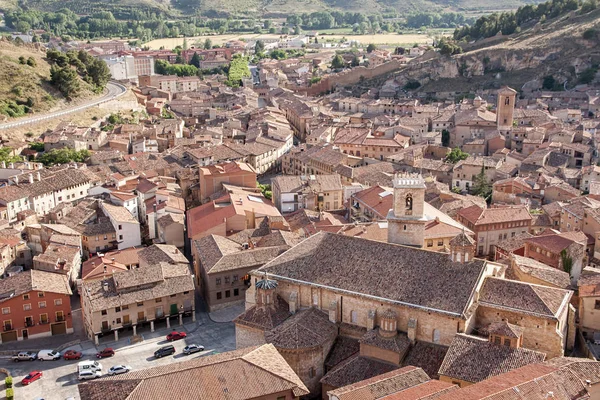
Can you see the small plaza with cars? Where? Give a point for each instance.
(52, 374)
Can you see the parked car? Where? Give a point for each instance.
(176, 336)
(31, 377)
(48, 355)
(24, 356)
(107, 352)
(119, 369)
(193, 348)
(89, 374)
(164, 351)
(72, 355)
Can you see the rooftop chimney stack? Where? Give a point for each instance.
(30, 178)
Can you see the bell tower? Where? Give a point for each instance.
(505, 108)
(406, 221)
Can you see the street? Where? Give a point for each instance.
(60, 377)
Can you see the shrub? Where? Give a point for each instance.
(589, 34)
(10, 394)
(8, 381)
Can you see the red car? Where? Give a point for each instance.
(32, 377)
(176, 336)
(72, 355)
(108, 352)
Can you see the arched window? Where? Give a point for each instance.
(507, 101)
(409, 202)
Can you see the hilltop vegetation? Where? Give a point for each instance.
(26, 81)
(511, 22)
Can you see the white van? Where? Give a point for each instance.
(48, 355)
(89, 366)
(89, 374)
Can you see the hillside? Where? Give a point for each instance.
(266, 7)
(556, 48)
(27, 85)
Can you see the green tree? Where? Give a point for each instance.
(445, 138)
(259, 47)
(65, 80)
(567, 262)
(7, 156)
(195, 61)
(371, 47)
(548, 82)
(31, 62)
(238, 69)
(208, 44)
(355, 62)
(185, 44)
(481, 186)
(337, 62)
(456, 155)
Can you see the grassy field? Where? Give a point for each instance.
(389, 39)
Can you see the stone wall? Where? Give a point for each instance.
(380, 354)
(540, 334)
(347, 78)
(427, 321)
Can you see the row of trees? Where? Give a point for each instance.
(62, 156)
(510, 22)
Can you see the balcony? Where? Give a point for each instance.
(60, 318)
(142, 320)
(29, 323)
(8, 327)
(44, 321)
(106, 328)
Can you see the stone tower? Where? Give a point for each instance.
(406, 222)
(462, 248)
(506, 108)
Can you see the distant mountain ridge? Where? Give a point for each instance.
(268, 8)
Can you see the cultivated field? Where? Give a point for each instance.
(381, 39)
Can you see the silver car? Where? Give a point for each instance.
(119, 369)
(193, 348)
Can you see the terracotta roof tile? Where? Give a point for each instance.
(381, 385)
(473, 359)
(524, 297)
(421, 276)
(306, 328)
(253, 372)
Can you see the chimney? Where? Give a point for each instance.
(412, 330)
(105, 286)
(3, 164)
(11, 166)
(155, 221)
(30, 178)
(333, 311)
(293, 302)
(371, 320)
(16, 179)
(38, 176)
(105, 268)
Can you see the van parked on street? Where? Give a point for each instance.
(89, 366)
(48, 355)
